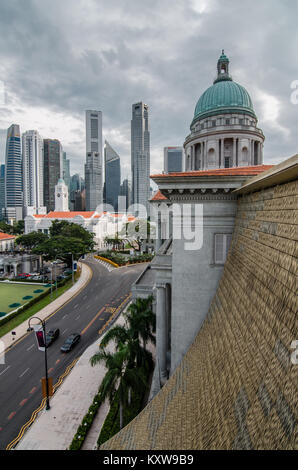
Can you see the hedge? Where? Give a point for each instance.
(87, 421)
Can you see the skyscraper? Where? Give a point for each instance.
(125, 192)
(66, 170)
(173, 159)
(13, 174)
(93, 165)
(32, 169)
(112, 176)
(140, 155)
(53, 170)
(2, 190)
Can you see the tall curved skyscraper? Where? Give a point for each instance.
(13, 174)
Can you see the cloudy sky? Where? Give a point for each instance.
(59, 58)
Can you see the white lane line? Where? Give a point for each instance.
(64, 331)
(24, 372)
(64, 316)
(76, 305)
(78, 317)
(5, 370)
(30, 347)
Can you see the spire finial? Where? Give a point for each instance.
(223, 51)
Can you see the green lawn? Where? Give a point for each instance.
(13, 296)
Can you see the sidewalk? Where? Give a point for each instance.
(55, 429)
(21, 330)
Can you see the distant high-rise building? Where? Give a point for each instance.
(93, 165)
(53, 170)
(173, 159)
(32, 148)
(66, 170)
(125, 192)
(76, 184)
(80, 200)
(2, 190)
(13, 175)
(140, 155)
(112, 176)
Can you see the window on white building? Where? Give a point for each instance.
(221, 247)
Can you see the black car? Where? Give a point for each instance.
(51, 336)
(71, 341)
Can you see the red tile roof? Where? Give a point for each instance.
(158, 196)
(236, 171)
(68, 215)
(6, 236)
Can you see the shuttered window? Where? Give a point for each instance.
(221, 247)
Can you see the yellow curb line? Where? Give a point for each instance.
(41, 406)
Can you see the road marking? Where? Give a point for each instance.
(64, 316)
(78, 317)
(33, 390)
(76, 305)
(23, 402)
(92, 321)
(57, 362)
(11, 415)
(5, 370)
(50, 370)
(64, 331)
(24, 372)
(32, 346)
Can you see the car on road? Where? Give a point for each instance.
(71, 341)
(51, 336)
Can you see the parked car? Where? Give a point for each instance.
(71, 341)
(51, 336)
(23, 275)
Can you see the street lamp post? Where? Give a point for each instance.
(43, 323)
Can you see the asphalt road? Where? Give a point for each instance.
(20, 387)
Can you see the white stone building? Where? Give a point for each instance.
(224, 130)
(195, 212)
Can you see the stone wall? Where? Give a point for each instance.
(236, 388)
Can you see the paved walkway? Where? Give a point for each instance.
(54, 429)
(21, 330)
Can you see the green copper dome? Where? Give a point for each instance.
(224, 96)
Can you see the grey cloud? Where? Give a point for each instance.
(70, 56)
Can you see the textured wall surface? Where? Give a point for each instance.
(236, 388)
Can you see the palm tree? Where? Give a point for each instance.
(141, 319)
(121, 376)
(137, 355)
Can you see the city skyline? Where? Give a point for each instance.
(119, 73)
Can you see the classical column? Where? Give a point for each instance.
(234, 152)
(259, 153)
(161, 332)
(158, 239)
(222, 157)
(217, 153)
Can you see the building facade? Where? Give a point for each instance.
(13, 175)
(195, 212)
(173, 159)
(112, 176)
(224, 130)
(2, 191)
(140, 155)
(93, 165)
(33, 169)
(53, 169)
